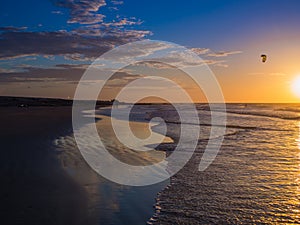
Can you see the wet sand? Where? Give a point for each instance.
(45, 183)
(35, 189)
(109, 202)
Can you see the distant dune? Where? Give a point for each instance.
(32, 101)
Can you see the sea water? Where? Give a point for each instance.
(255, 177)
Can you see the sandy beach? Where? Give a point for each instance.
(253, 179)
(47, 181)
(35, 189)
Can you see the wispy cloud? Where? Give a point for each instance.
(208, 53)
(224, 53)
(65, 72)
(123, 22)
(37, 79)
(11, 28)
(8, 71)
(200, 51)
(57, 12)
(117, 2)
(268, 74)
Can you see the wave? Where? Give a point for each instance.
(227, 126)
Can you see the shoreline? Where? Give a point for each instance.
(166, 147)
(78, 169)
(33, 132)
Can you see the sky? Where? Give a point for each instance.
(46, 45)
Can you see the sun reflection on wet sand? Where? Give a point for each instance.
(108, 202)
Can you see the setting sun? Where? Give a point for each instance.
(296, 86)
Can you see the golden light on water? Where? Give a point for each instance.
(296, 86)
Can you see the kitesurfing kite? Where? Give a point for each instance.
(263, 58)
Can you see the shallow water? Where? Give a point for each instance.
(255, 178)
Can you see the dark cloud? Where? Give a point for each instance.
(70, 44)
(15, 44)
(10, 28)
(83, 11)
(32, 74)
(62, 72)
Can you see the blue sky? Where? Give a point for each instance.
(196, 23)
(56, 34)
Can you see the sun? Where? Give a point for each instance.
(296, 86)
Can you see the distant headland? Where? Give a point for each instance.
(34, 101)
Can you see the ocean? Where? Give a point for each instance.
(255, 178)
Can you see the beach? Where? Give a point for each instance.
(254, 178)
(47, 181)
(35, 189)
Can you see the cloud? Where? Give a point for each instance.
(20, 44)
(82, 11)
(93, 36)
(117, 2)
(158, 52)
(73, 66)
(223, 53)
(91, 39)
(11, 28)
(154, 65)
(123, 22)
(200, 51)
(31, 74)
(206, 52)
(57, 12)
(121, 79)
(62, 72)
(37, 79)
(69, 44)
(7, 71)
(113, 8)
(135, 50)
(269, 74)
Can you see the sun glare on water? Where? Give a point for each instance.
(296, 86)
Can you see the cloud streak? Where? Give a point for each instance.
(224, 53)
(11, 28)
(200, 51)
